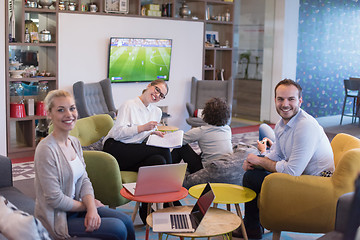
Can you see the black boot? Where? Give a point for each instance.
(143, 212)
(252, 233)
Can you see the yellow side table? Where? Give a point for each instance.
(227, 194)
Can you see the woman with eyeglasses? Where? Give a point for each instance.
(137, 119)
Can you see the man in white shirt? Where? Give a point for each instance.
(301, 147)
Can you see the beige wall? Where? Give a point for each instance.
(280, 46)
(83, 54)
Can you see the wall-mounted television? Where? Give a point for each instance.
(139, 59)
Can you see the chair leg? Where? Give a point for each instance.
(135, 211)
(276, 235)
(242, 226)
(343, 109)
(353, 118)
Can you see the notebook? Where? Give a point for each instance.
(158, 179)
(184, 221)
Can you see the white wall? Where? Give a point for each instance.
(83, 53)
(280, 47)
(2, 80)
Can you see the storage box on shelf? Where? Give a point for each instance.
(29, 59)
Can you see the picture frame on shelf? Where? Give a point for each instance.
(117, 6)
(211, 37)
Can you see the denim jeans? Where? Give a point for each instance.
(253, 179)
(266, 131)
(115, 225)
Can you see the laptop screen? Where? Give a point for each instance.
(202, 204)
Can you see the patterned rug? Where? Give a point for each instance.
(22, 171)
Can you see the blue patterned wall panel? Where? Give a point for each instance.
(328, 52)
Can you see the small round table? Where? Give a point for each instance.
(153, 198)
(216, 222)
(227, 194)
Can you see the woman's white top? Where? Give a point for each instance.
(78, 170)
(131, 114)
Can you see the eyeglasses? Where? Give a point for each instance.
(161, 95)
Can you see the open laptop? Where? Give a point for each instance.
(158, 179)
(184, 221)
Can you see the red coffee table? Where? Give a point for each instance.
(153, 198)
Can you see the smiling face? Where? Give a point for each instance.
(63, 113)
(154, 93)
(287, 101)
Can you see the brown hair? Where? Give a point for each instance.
(158, 82)
(216, 112)
(289, 82)
(49, 99)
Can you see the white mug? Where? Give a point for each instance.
(93, 8)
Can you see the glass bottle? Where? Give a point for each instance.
(16, 92)
(27, 35)
(42, 90)
(227, 15)
(41, 130)
(12, 22)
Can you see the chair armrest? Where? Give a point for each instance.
(5, 172)
(343, 211)
(190, 108)
(112, 114)
(105, 176)
(305, 203)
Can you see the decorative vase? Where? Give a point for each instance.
(29, 24)
(45, 3)
(184, 10)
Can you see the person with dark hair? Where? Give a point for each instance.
(136, 120)
(214, 139)
(301, 147)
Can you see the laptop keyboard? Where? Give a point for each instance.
(179, 221)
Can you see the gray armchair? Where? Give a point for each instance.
(94, 98)
(11, 193)
(347, 222)
(202, 91)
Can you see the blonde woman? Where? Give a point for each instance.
(137, 119)
(65, 202)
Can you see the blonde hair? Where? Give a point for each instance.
(49, 99)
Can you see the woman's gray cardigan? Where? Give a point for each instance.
(54, 183)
